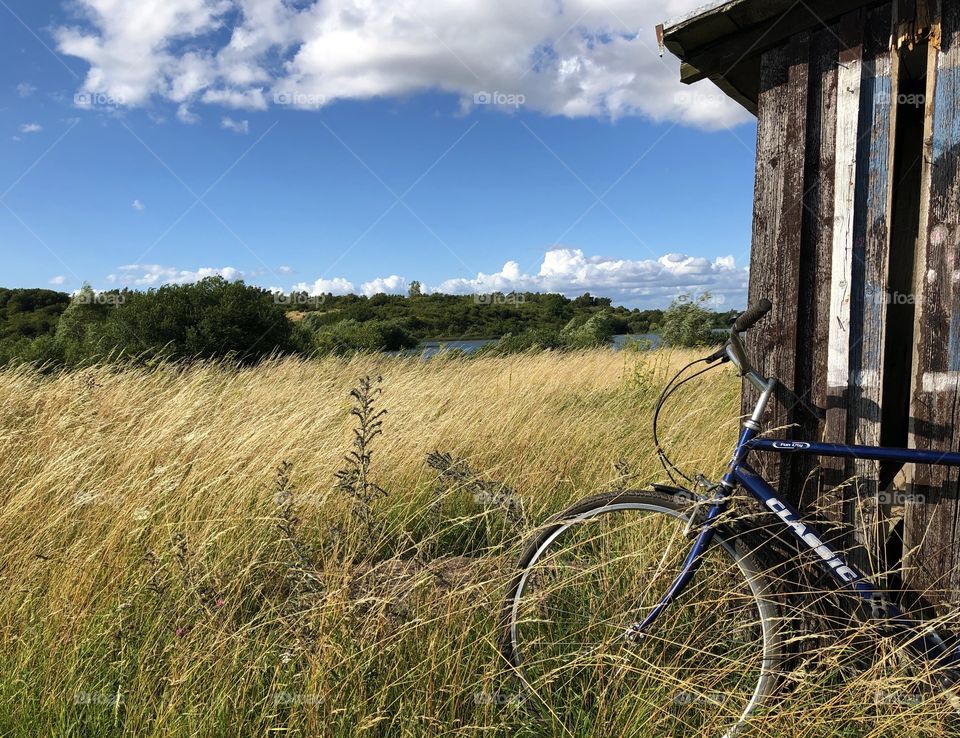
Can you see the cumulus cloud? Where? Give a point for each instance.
(25, 89)
(138, 206)
(631, 282)
(335, 286)
(58, 279)
(237, 126)
(154, 275)
(643, 282)
(571, 58)
(31, 128)
(392, 285)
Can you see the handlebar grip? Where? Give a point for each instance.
(749, 317)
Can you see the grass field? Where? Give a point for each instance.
(177, 558)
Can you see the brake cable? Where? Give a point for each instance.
(672, 386)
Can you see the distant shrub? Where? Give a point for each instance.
(210, 319)
(349, 336)
(591, 330)
(687, 323)
(588, 330)
(75, 336)
(529, 340)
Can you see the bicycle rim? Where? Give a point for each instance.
(703, 667)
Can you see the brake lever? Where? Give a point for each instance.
(720, 353)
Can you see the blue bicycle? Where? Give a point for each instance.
(594, 612)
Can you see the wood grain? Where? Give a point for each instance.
(931, 538)
(777, 228)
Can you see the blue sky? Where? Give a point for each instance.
(348, 146)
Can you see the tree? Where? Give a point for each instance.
(589, 330)
(687, 322)
(210, 319)
(416, 289)
(78, 325)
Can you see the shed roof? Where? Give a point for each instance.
(724, 39)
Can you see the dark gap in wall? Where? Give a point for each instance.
(904, 229)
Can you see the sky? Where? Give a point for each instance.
(358, 145)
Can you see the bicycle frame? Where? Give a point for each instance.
(928, 645)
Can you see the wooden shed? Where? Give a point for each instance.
(856, 240)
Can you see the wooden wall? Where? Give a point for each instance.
(856, 240)
(932, 536)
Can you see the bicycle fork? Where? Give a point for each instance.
(691, 565)
(718, 505)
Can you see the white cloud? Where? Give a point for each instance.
(31, 128)
(154, 275)
(58, 279)
(237, 126)
(25, 89)
(138, 206)
(392, 285)
(571, 58)
(646, 282)
(631, 282)
(185, 115)
(335, 286)
(285, 270)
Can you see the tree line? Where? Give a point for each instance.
(218, 319)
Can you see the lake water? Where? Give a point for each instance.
(431, 348)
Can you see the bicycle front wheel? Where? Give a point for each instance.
(703, 667)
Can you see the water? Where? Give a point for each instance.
(431, 348)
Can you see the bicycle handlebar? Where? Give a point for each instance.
(751, 316)
(734, 349)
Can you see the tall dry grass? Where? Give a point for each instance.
(176, 559)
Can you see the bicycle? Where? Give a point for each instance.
(596, 597)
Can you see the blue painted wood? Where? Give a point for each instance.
(868, 283)
(931, 526)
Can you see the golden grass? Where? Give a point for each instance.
(152, 583)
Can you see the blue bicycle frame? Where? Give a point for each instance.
(928, 645)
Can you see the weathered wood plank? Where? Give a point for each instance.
(838, 471)
(813, 315)
(931, 540)
(869, 283)
(777, 229)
